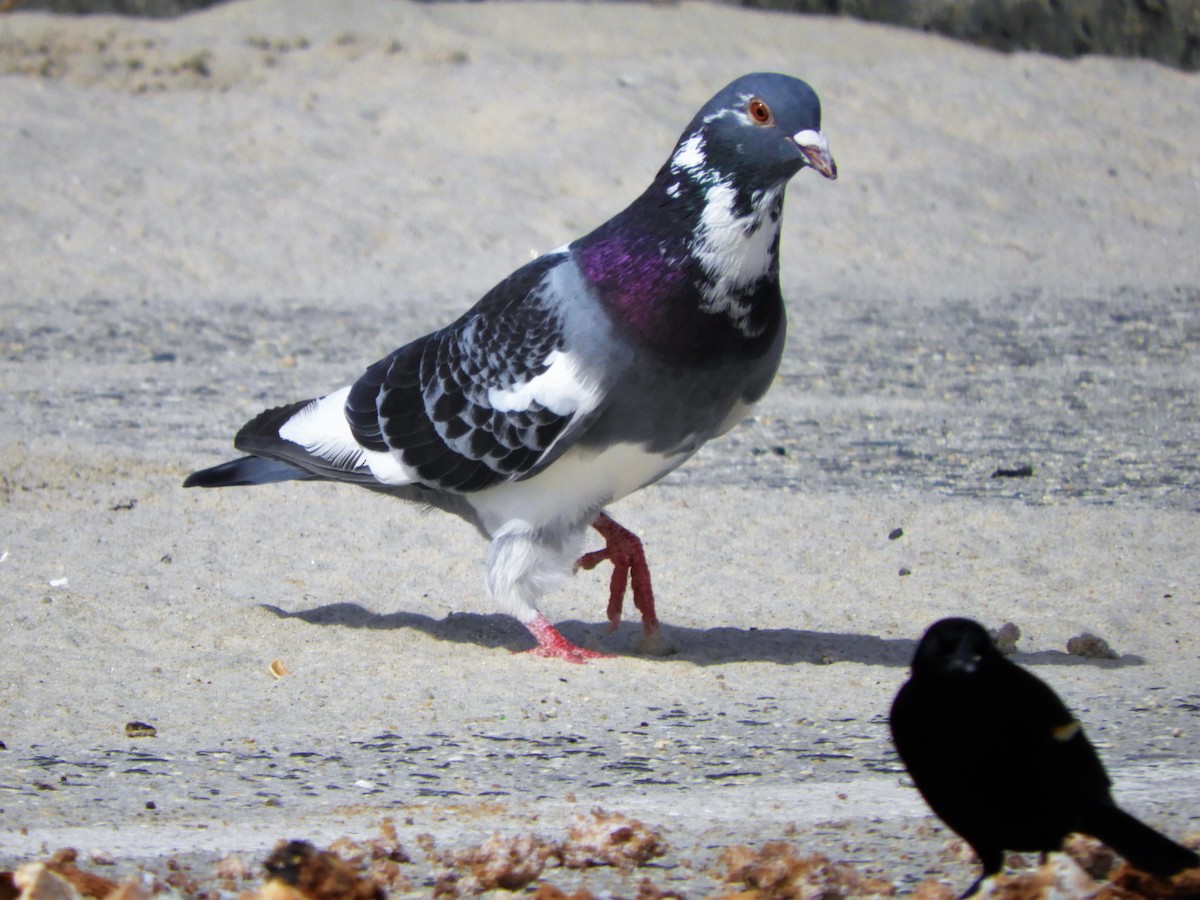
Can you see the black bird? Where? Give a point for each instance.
(1001, 760)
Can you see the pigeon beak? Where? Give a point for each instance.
(816, 151)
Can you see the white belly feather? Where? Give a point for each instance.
(579, 482)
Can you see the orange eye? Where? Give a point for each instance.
(759, 111)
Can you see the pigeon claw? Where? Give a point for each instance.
(552, 645)
(624, 550)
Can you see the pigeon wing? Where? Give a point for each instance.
(487, 400)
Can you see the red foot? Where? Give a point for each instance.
(624, 550)
(552, 645)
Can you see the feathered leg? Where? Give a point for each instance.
(522, 566)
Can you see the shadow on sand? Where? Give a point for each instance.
(707, 646)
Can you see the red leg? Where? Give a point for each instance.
(552, 645)
(624, 550)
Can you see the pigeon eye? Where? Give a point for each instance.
(759, 112)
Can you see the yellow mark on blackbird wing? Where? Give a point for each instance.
(1065, 732)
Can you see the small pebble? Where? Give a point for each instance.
(1091, 647)
(1005, 638)
(1019, 472)
(139, 730)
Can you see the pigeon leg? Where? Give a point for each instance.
(552, 645)
(624, 550)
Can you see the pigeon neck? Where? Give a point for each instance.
(690, 260)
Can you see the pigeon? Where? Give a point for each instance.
(1001, 760)
(586, 374)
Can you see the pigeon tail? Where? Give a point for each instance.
(261, 434)
(1140, 844)
(245, 471)
(272, 459)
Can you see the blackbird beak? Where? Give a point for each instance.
(964, 658)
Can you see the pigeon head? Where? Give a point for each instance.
(953, 646)
(692, 265)
(756, 133)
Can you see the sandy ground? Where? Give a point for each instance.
(205, 217)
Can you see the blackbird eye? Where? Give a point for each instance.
(759, 111)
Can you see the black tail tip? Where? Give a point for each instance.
(247, 470)
(217, 476)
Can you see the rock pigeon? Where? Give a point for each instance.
(1001, 760)
(586, 374)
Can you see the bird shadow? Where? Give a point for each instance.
(699, 646)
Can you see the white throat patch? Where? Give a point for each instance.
(735, 251)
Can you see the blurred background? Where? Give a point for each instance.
(1164, 30)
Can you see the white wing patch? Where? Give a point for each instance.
(562, 388)
(387, 468)
(322, 430)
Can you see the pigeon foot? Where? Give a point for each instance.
(552, 645)
(624, 550)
